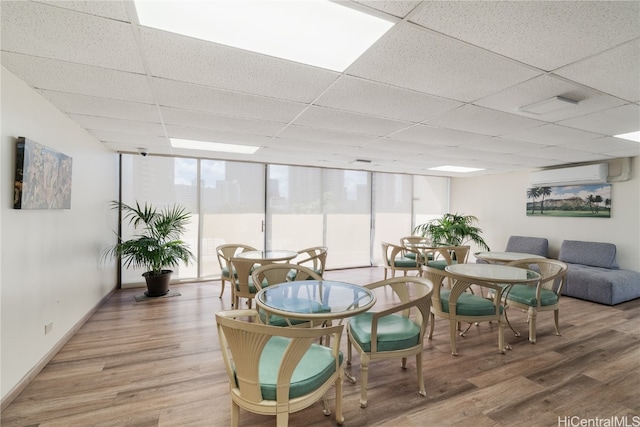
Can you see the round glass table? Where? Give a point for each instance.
(268, 256)
(504, 256)
(494, 273)
(315, 300)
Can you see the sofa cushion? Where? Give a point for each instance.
(602, 285)
(528, 245)
(595, 254)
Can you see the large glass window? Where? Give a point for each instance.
(392, 194)
(430, 198)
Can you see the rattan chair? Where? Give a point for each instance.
(453, 300)
(397, 331)
(314, 258)
(225, 253)
(243, 286)
(543, 297)
(278, 371)
(443, 256)
(395, 259)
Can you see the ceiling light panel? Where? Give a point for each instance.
(212, 146)
(548, 105)
(320, 33)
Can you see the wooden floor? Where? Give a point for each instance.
(157, 363)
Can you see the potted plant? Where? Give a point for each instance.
(158, 247)
(452, 230)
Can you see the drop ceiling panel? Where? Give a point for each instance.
(545, 87)
(178, 117)
(505, 146)
(94, 106)
(130, 126)
(529, 31)
(52, 32)
(215, 135)
(131, 141)
(614, 121)
(616, 71)
(79, 79)
(550, 134)
(367, 97)
(321, 136)
(471, 118)
(438, 136)
(397, 8)
(410, 57)
(605, 145)
(206, 99)
(304, 145)
(223, 67)
(106, 9)
(342, 121)
(563, 154)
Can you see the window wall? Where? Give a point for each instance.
(282, 207)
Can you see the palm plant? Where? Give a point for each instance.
(452, 230)
(159, 246)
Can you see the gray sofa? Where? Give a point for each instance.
(525, 245)
(593, 273)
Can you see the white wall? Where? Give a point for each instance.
(50, 267)
(499, 203)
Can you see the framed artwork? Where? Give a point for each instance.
(42, 178)
(592, 201)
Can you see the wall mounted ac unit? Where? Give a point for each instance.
(588, 174)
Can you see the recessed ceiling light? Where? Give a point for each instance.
(212, 146)
(460, 169)
(320, 32)
(548, 105)
(631, 136)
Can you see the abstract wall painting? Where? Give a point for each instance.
(42, 178)
(592, 201)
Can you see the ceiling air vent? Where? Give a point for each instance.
(588, 174)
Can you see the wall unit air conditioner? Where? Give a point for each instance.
(588, 174)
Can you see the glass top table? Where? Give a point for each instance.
(494, 273)
(268, 256)
(315, 300)
(504, 256)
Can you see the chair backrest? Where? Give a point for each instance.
(229, 250)
(407, 241)
(314, 258)
(528, 245)
(553, 272)
(272, 274)
(390, 252)
(242, 278)
(412, 298)
(458, 254)
(242, 345)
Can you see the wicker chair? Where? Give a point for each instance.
(278, 371)
(395, 259)
(225, 253)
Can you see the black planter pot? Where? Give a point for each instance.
(157, 286)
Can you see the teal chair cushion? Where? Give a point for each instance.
(524, 294)
(405, 262)
(291, 276)
(294, 305)
(412, 255)
(315, 368)
(440, 264)
(252, 287)
(395, 332)
(469, 305)
(225, 273)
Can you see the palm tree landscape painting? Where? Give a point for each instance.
(570, 200)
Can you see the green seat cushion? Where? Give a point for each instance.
(291, 276)
(395, 332)
(294, 305)
(412, 255)
(469, 305)
(405, 262)
(225, 273)
(440, 264)
(252, 287)
(524, 294)
(316, 366)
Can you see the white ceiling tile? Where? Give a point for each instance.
(305, 145)
(206, 99)
(130, 139)
(174, 116)
(504, 145)
(616, 71)
(605, 145)
(377, 99)
(397, 8)
(471, 118)
(324, 136)
(562, 154)
(342, 121)
(94, 106)
(545, 87)
(410, 57)
(215, 135)
(79, 79)
(529, 31)
(223, 67)
(614, 121)
(133, 148)
(438, 136)
(118, 125)
(106, 9)
(413, 148)
(52, 32)
(550, 134)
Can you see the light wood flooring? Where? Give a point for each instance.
(157, 363)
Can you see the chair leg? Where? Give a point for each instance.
(422, 390)
(501, 345)
(532, 325)
(364, 379)
(282, 418)
(339, 416)
(222, 283)
(556, 318)
(432, 319)
(235, 414)
(452, 335)
(403, 365)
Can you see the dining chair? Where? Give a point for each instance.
(442, 256)
(225, 253)
(545, 296)
(314, 258)
(395, 259)
(395, 331)
(453, 300)
(243, 286)
(278, 371)
(272, 274)
(408, 241)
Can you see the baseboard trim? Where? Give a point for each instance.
(24, 382)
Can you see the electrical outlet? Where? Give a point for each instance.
(48, 328)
